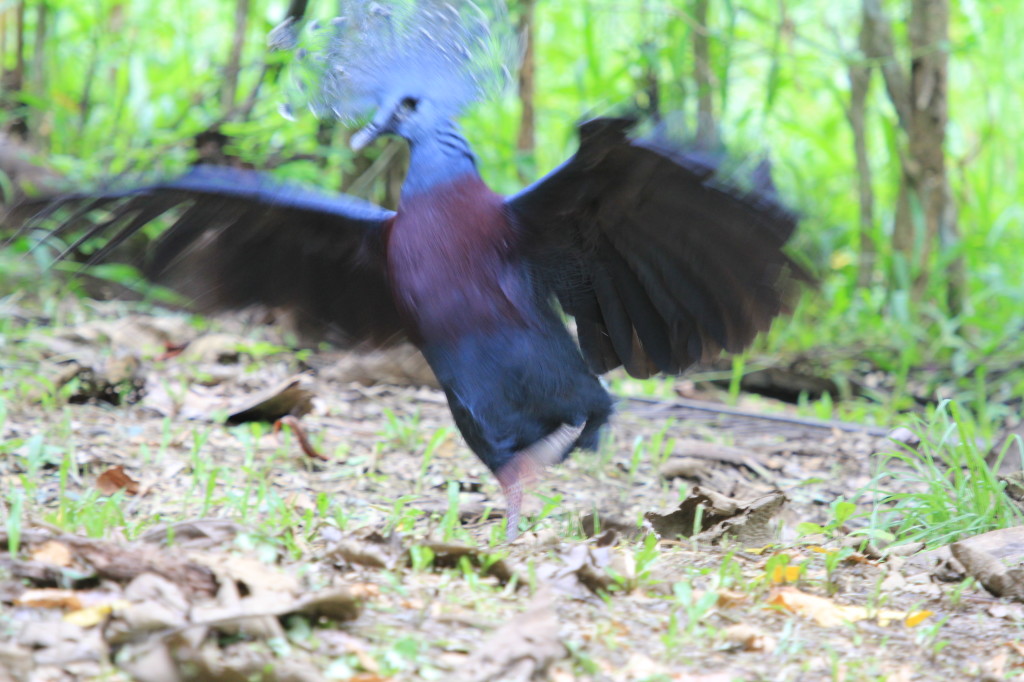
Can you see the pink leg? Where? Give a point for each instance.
(526, 467)
(514, 502)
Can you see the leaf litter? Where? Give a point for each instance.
(386, 566)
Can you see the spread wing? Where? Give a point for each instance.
(660, 262)
(238, 238)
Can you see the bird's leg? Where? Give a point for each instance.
(526, 466)
(512, 486)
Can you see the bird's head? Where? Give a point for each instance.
(411, 117)
(414, 63)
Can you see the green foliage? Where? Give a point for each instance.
(841, 510)
(952, 491)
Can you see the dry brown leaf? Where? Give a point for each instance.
(689, 447)
(290, 397)
(520, 650)
(96, 614)
(115, 479)
(449, 554)
(995, 667)
(719, 516)
(255, 615)
(748, 638)
(58, 641)
(194, 533)
(53, 552)
(402, 365)
(581, 573)
(594, 523)
(1010, 612)
(337, 603)
(858, 558)
(365, 590)
(826, 612)
(372, 549)
(904, 673)
(684, 467)
(124, 562)
(642, 667)
(212, 662)
(728, 598)
(155, 604)
(215, 348)
(254, 575)
(50, 598)
(724, 676)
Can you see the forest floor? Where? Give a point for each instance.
(228, 553)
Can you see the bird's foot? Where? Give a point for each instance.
(526, 467)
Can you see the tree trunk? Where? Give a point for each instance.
(707, 135)
(234, 66)
(526, 141)
(926, 167)
(926, 216)
(13, 80)
(860, 83)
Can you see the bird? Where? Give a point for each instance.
(660, 257)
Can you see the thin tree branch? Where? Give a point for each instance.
(860, 83)
(877, 44)
(234, 66)
(706, 132)
(526, 141)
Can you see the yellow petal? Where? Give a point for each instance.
(917, 617)
(94, 615)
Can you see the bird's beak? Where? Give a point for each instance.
(365, 136)
(380, 125)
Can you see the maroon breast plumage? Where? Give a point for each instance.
(449, 257)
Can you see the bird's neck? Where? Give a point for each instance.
(438, 159)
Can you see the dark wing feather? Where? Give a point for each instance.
(660, 261)
(238, 238)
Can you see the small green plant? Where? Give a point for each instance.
(956, 594)
(439, 437)
(942, 489)
(841, 511)
(450, 520)
(644, 558)
(833, 560)
(661, 446)
(402, 516)
(927, 636)
(15, 504)
(693, 607)
(739, 364)
(422, 557)
(402, 432)
(551, 504)
(636, 456)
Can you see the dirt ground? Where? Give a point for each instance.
(229, 553)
